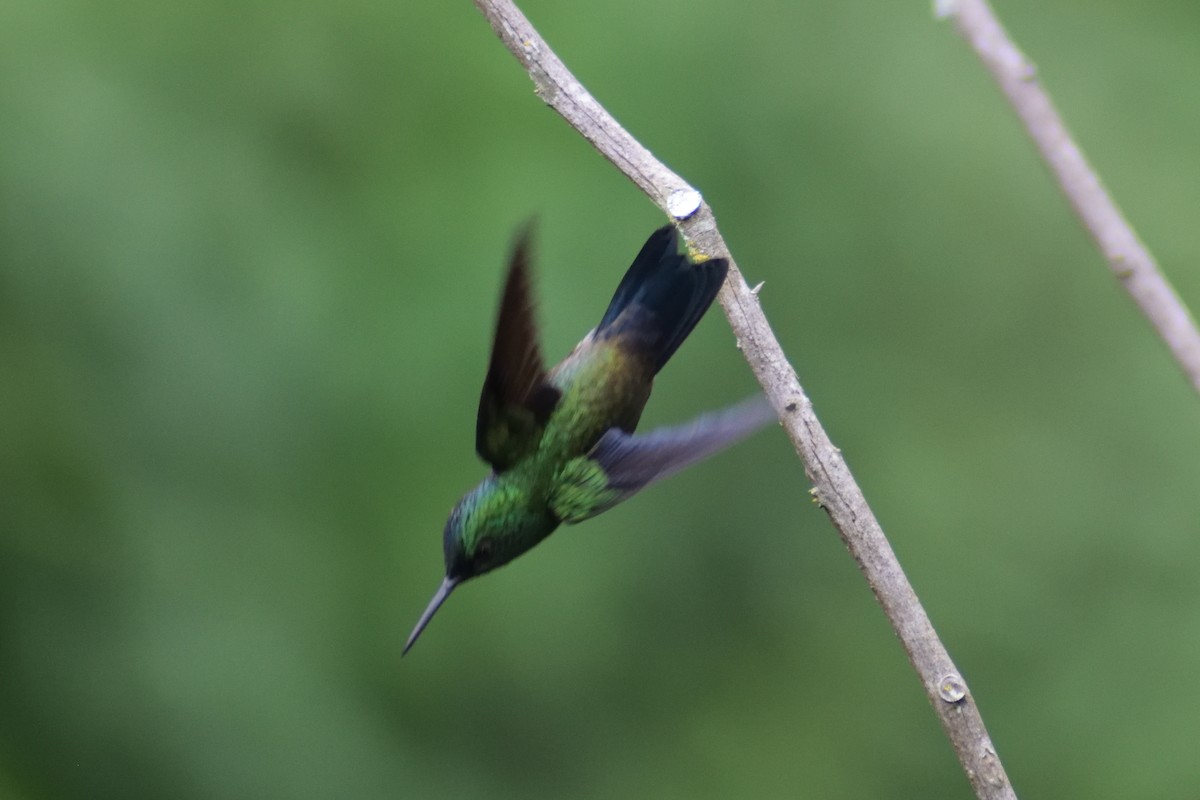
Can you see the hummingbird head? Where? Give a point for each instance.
(491, 525)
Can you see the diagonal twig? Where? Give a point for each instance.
(1128, 258)
(834, 488)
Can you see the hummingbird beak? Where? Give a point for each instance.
(439, 597)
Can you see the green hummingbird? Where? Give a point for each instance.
(561, 443)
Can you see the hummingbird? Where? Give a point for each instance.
(561, 442)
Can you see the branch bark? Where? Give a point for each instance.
(834, 488)
(1127, 257)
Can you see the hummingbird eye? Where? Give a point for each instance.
(484, 551)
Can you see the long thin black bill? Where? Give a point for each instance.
(439, 597)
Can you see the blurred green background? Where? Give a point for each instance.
(249, 255)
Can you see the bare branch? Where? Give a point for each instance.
(1128, 258)
(834, 488)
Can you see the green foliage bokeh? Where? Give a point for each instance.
(249, 254)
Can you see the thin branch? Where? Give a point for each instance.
(834, 488)
(1128, 258)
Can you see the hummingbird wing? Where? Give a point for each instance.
(621, 464)
(517, 398)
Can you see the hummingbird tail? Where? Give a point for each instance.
(661, 298)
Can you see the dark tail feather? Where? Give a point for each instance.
(661, 298)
